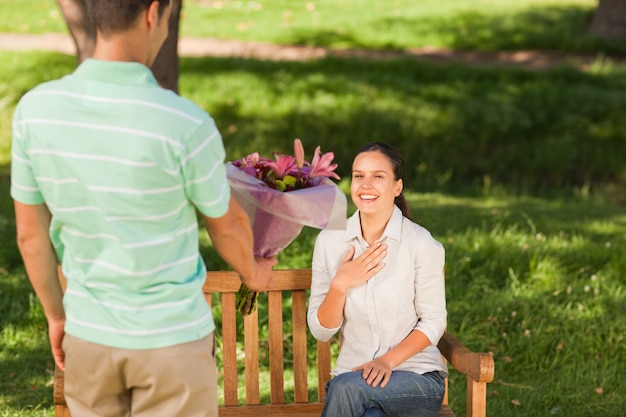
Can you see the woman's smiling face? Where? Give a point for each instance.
(374, 187)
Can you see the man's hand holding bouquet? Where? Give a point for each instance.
(281, 196)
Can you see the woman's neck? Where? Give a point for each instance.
(373, 225)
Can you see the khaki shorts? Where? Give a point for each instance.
(174, 381)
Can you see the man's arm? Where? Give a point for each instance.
(232, 238)
(33, 223)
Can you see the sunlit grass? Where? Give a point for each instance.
(400, 24)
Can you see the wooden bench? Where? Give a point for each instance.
(478, 367)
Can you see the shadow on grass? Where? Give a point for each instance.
(456, 126)
(9, 255)
(5, 171)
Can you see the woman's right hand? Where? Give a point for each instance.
(353, 272)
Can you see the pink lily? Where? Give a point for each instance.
(321, 165)
(250, 160)
(249, 163)
(283, 165)
(298, 151)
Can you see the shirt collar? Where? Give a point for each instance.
(392, 231)
(116, 72)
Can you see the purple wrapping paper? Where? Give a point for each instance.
(278, 217)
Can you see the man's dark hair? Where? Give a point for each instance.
(110, 16)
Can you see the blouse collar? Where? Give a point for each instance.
(393, 230)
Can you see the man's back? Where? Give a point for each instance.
(120, 164)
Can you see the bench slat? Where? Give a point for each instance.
(298, 299)
(251, 348)
(291, 410)
(275, 319)
(229, 348)
(283, 280)
(323, 368)
(273, 410)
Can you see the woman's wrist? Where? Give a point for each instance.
(338, 287)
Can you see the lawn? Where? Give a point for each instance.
(460, 128)
(520, 174)
(397, 24)
(539, 282)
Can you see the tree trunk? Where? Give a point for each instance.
(609, 20)
(80, 26)
(165, 67)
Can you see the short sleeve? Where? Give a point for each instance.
(204, 171)
(24, 187)
(320, 285)
(430, 297)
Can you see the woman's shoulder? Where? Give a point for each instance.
(418, 232)
(415, 228)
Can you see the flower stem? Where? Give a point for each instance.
(246, 300)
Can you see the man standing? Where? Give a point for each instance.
(108, 170)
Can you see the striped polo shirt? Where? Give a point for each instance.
(122, 164)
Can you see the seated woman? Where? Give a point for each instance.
(380, 284)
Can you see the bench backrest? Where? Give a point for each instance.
(296, 282)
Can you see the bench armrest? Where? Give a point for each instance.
(479, 366)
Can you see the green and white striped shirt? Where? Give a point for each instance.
(122, 164)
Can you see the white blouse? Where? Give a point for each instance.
(408, 294)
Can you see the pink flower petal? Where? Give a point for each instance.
(298, 151)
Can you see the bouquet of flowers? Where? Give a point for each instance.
(281, 196)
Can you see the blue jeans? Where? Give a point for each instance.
(407, 394)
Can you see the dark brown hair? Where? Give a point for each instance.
(397, 164)
(110, 16)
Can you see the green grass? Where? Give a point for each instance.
(520, 174)
(459, 127)
(398, 24)
(539, 282)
